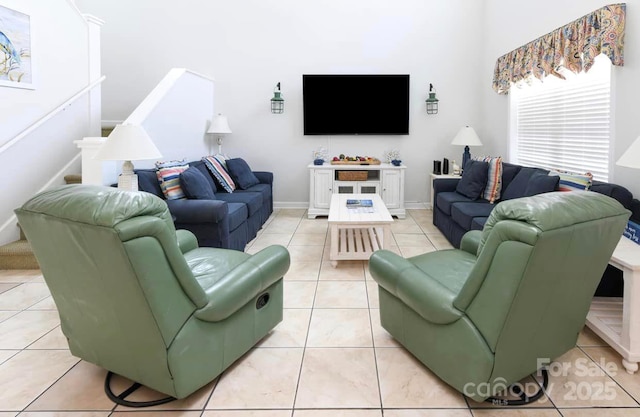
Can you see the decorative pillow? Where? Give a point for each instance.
(570, 181)
(241, 173)
(494, 177)
(169, 164)
(220, 174)
(518, 185)
(540, 183)
(474, 179)
(195, 185)
(222, 159)
(169, 179)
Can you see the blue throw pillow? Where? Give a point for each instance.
(474, 179)
(241, 173)
(518, 186)
(195, 185)
(540, 183)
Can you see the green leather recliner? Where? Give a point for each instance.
(484, 316)
(139, 298)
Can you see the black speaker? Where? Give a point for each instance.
(436, 167)
(445, 166)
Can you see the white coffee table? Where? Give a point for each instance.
(355, 234)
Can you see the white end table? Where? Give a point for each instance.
(617, 320)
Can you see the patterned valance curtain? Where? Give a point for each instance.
(573, 46)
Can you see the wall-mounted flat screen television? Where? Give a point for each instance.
(356, 104)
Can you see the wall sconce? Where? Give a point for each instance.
(432, 101)
(277, 102)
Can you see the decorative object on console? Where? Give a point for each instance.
(128, 143)
(455, 168)
(277, 102)
(445, 166)
(432, 101)
(466, 137)
(437, 167)
(396, 162)
(320, 155)
(220, 126)
(391, 155)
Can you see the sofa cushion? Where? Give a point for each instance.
(445, 199)
(464, 213)
(219, 173)
(252, 200)
(474, 179)
(195, 185)
(540, 183)
(148, 182)
(264, 189)
(494, 178)
(238, 214)
(241, 173)
(618, 192)
(518, 185)
(509, 171)
(478, 223)
(207, 174)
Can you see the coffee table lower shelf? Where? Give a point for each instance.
(355, 243)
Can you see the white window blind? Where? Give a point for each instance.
(564, 124)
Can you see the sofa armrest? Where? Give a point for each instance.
(423, 294)
(441, 185)
(186, 240)
(264, 177)
(247, 280)
(471, 242)
(198, 211)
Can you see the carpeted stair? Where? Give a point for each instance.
(18, 255)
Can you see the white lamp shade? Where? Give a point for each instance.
(467, 136)
(219, 125)
(631, 157)
(128, 143)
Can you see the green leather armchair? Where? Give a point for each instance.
(518, 291)
(141, 299)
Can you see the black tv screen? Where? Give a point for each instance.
(356, 104)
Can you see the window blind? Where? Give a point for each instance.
(565, 124)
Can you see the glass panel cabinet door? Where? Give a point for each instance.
(347, 187)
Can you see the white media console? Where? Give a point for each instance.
(385, 180)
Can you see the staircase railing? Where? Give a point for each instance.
(50, 115)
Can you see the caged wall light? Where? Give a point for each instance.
(277, 102)
(432, 101)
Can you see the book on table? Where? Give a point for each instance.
(359, 203)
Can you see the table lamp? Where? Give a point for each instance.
(128, 143)
(466, 137)
(631, 157)
(220, 126)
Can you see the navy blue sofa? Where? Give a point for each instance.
(454, 214)
(230, 221)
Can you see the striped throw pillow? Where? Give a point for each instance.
(169, 179)
(570, 181)
(221, 174)
(494, 177)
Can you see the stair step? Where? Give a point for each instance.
(17, 255)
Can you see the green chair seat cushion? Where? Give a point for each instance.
(450, 268)
(209, 265)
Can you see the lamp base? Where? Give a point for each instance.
(128, 181)
(466, 156)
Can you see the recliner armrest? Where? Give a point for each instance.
(423, 294)
(198, 211)
(471, 242)
(244, 282)
(187, 241)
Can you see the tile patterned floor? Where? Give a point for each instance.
(329, 356)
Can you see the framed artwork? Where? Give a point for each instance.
(15, 49)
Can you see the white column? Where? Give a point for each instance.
(95, 171)
(95, 95)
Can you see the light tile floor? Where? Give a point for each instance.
(329, 356)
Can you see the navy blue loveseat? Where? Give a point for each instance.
(229, 221)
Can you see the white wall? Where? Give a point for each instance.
(249, 46)
(60, 69)
(508, 27)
